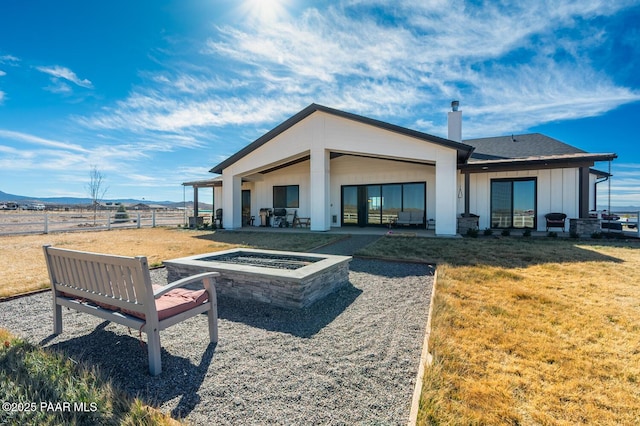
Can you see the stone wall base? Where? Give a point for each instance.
(584, 227)
(466, 223)
(291, 294)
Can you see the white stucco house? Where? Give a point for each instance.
(341, 169)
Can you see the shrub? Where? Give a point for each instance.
(527, 232)
(552, 234)
(505, 232)
(596, 235)
(488, 232)
(574, 234)
(121, 215)
(472, 232)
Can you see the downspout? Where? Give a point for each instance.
(609, 189)
(595, 191)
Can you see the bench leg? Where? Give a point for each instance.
(212, 314)
(153, 347)
(57, 317)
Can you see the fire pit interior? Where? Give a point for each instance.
(281, 278)
(267, 260)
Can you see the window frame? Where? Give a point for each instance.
(533, 179)
(293, 203)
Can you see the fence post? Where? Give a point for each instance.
(109, 221)
(46, 223)
(153, 218)
(138, 220)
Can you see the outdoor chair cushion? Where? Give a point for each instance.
(79, 299)
(174, 302)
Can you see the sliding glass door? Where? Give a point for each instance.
(513, 203)
(378, 205)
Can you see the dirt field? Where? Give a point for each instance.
(22, 262)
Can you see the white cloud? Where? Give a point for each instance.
(58, 72)
(507, 64)
(9, 59)
(155, 112)
(36, 140)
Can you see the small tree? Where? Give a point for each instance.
(96, 189)
(121, 215)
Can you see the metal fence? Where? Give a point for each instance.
(16, 223)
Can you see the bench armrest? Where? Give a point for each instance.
(181, 282)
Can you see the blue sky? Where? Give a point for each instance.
(156, 92)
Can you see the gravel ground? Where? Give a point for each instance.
(351, 358)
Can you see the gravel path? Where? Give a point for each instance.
(352, 358)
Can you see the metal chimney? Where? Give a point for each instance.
(454, 119)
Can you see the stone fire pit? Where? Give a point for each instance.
(281, 278)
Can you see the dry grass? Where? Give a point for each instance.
(22, 266)
(30, 374)
(532, 332)
(524, 331)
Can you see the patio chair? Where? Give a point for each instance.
(555, 220)
(217, 220)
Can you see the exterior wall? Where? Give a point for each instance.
(362, 171)
(321, 133)
(345, 170)
(557, 191)
(262, 191)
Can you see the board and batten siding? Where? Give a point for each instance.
(557, 191)
(390, 157)
(345, 170)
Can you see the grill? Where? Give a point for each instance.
(265, 217)
(279, 218)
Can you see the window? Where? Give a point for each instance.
(379, 204)
(286, 196)
(513, 203)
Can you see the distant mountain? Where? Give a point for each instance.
(621, 209)
(10, 197)
(76, 200)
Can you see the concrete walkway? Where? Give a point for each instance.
(349, 245)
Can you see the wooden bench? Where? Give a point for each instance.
(302, 221)
(119, 289)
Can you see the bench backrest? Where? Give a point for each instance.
(118, 281)
(404, 216)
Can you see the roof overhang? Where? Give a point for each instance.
(207, 183)
(464, 151)
(599, 173)
(537, 162)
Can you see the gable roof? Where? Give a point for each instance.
(519, 146)
(534, 150)
(464, 151)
